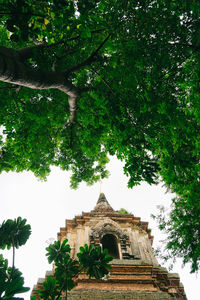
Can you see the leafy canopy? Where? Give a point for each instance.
(81, 80)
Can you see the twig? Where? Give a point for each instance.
(88, 60)
(104, 81)
(28, 51)
(59, 58)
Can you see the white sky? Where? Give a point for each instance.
(46, 205)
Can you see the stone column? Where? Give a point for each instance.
(86, 237)
(134, 243)
(78, 237)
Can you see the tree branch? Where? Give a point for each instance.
(27, 52)
(59, 58)
(104, 81)
(15, 72)
(8, 52)
(89, 60)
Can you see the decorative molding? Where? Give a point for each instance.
(108, 226)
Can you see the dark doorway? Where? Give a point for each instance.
(109, 242)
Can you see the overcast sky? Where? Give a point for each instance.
(46, 205)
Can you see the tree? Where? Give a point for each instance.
(13, 234)
(84, 80)
(123, 211)
(181, 227)
(93, 261)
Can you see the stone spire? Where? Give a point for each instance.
(102, 205)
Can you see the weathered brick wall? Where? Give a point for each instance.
(116, 295)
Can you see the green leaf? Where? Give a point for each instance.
(14, 233)
(94, 261)
(57, 251)
(88, 32)
(50, 289)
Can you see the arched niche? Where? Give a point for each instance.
(110, 227)
(109, 242)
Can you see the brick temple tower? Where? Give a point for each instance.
(135, 273)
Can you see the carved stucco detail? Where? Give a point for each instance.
(108, 226)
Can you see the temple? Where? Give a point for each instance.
(135, 273)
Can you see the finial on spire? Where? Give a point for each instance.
(100, 186)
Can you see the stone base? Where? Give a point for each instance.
(116, 295)
(126, 282)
